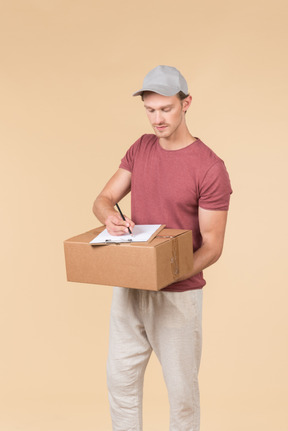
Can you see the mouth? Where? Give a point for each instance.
(160, 128)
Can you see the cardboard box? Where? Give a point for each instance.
(150, 266)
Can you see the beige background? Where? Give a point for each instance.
(68, 69)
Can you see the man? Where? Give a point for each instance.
(174, 179)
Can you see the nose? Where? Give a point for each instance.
(158, 117)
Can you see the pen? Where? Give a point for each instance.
(118, 208)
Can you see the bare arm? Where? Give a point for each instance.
(212, 228)
(116, 188)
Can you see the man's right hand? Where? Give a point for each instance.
(116, 226)
(117, 187)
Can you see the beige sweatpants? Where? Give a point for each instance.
(170, 324)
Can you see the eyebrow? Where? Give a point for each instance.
(160, 107)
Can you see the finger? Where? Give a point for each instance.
(117, 229)
(131, 223)
(120, 231)
(113, 222)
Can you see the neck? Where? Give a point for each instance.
(179, 139)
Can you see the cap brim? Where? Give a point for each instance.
(164, 91)
(138, 93)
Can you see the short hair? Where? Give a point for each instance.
(182, 95)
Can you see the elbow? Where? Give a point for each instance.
(216, 257)
(217, 253)
(95, 207)
(214, 251)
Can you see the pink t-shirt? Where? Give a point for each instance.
(168, 186)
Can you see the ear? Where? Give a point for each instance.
(186, 103)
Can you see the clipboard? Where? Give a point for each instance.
(141, 233)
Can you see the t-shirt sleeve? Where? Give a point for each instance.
(127, 162)
(215, 189)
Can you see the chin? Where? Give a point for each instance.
(164, 134)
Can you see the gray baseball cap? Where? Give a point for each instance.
(164, 80)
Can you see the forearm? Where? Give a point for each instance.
(116, 188)
(205, 256)
(212, 227)
(103, 208)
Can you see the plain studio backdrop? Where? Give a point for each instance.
(68, 69)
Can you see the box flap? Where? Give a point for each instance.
(86, 237)
(167, 235)
(156, 232)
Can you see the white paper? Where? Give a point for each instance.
(141, 233)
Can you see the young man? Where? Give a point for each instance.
(174, 179)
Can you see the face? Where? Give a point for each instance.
(166, 114)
